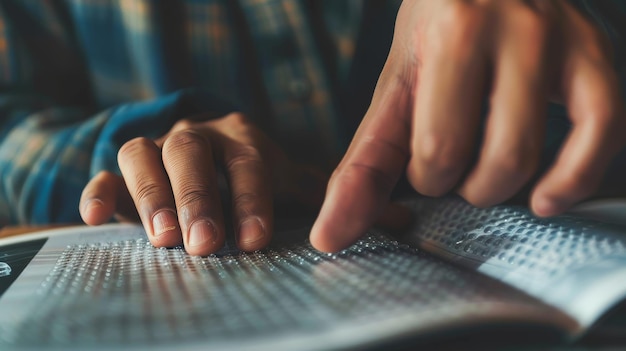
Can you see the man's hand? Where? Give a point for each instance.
(171, 185)
(447, 58)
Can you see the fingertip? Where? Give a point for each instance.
(319, 234)
(168, 241)
(353, 202)
(94, 211)
(252, 234)
(99, 198)
(315, 237)
(546, 206)
(322, 240)
(561, 189)
(164, 230)
(327, 235)
(203, 238)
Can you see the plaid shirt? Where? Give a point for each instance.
(81, 77)
(78, 78)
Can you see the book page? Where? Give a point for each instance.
(102, 288)
(575, 264)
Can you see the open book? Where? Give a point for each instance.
(458, 271)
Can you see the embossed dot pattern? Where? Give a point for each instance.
(125, 293)
(511, 236)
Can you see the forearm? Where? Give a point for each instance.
(47, 157)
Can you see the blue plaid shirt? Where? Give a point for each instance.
(78, 78)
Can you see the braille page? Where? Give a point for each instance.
(575, 264)
(106, 288)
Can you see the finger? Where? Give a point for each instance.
(142, 169)
(106, 196)
(251, 191)
(244, 150)
(446, 113)
(99, 198)
(593, 101)
(513, 138)
(188, 160)
(360, 186)
(180, 125)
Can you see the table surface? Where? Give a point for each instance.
(8, 231)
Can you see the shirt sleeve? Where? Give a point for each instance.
(47, 155)
(53, 137)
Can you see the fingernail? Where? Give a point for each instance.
(251, 231)
(91, 205)
(202, 232)
(163, 222)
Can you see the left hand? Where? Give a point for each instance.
(172, 185)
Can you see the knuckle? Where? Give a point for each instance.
(606, 116)
(246, 198)
(186, 137)
(518, 166)
(243, 155)
(461, 24)
(532, 20)
(236, 119)
(593, 42)
(146, 190)
(441, 155)
(134, 147)
(460, 13)
(236, 125)
(193, 196)
(436, 164)
(245, 203)
(185, 140)
(377, 179)
(535, 27)
(182, 124)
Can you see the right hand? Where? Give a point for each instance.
(448, 58)
(171, 185)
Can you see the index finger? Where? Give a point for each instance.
(359, 188)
